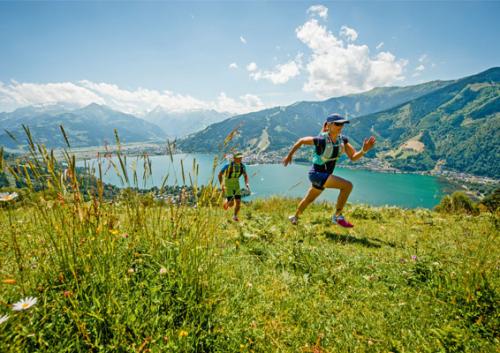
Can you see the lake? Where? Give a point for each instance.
(373, 188)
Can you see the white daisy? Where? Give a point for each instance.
(3, 319)
(24, 304)
(5, 196)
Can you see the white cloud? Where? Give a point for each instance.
(348, 33)
(418, 70)
(16, 94)
(318, 10)
(140, 101)
(245, 103)
(243, 40)
(233, 66)
(252, 67)
(423, 58)
(316, 37)
(282, 73)
(337, 68)
(380, 45)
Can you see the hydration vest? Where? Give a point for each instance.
(331, 151)
(234, 171)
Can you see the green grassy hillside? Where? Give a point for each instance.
(458, 124)
(134, 275)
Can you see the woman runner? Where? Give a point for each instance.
(329, 145)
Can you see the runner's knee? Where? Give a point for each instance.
(347, 186)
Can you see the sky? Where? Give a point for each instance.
(233, 56)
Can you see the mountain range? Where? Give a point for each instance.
(457, 127)
(455, 124)
(276, 128)
(92, 125)
(179, 124)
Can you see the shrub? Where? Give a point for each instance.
(492, 201)
(458, 202)
(366, 213)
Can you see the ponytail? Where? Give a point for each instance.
(324, 126)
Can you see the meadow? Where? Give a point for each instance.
(135, 274)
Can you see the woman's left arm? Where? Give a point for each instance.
(351, 152)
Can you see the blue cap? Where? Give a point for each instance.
(336, 118)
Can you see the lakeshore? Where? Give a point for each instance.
(475, 186)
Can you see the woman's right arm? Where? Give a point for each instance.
(309, 140)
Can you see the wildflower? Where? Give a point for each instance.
(114, 231)
(414, 257)
(124, 235)
(67, 293)
(183, 333)
(130, 271)
(9, 281)
(3, 319)
(5, 196)
(24, 304)
(163, 271)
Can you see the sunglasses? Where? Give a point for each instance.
(338, 124)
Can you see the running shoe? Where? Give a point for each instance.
(226, 205)
(236, 219)
(341, 221)
(294, 220)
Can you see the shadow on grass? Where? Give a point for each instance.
(349, 239)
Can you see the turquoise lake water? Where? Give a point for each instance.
(373, 188)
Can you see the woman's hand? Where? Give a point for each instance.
(368, 144)
(287, 160)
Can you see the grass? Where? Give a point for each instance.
(135, 276)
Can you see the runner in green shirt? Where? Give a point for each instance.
(230, 184)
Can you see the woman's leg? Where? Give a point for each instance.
(345, 186)
(311, 195)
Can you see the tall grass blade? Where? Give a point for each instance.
(65, 136)
(182, 171)
(123, 161)
(11, 135)
(27, 177)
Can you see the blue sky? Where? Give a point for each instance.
(234, 56)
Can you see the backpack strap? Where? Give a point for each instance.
(330, 149)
